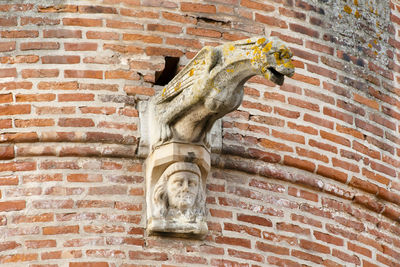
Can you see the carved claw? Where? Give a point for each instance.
(166, 133)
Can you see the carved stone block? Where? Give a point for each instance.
(179, 120)
(176, 176)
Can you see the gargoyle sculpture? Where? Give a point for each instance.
(180, 118)
(211, 85)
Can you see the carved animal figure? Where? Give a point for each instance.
(211, 85)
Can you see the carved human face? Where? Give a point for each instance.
(182, 188)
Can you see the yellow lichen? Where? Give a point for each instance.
(356, 2)
(357, 14)
(176, 88)
(278, 59)
(370, 45)
(347, 9)
(191, 72)
(261, 41)
(289, 65)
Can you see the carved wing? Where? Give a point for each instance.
(192, 72)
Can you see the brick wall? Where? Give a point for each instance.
(309, 171)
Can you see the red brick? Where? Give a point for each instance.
(90, 74)
(301, 128)
(272, 248)
(304, 30)
(7, 46)
(346, 257)
(9, 72)
(14, 110)
(142, 38)
(309, 245)
(20, 59)
(39, 21)
(287, 227)
(34, 123)
(306, 256)
(97, 9)
(9, 180)
(80, 46)
(332, 173)
(287, 38)
(345, 165)
(102, 35)
(12, 205)
(179, 18)
(39, 73)
(75, 122)
(88, 264)
(122, 74)
(164, 28)
(53, 204)
(35, 98)
(58, 9)
(82, 22)
(60, 59)
(124, 25)
(103, 229)
(306, 79)
(62, 33)
(275, 145)
(8, 22)
(255, 5)
(302, 194)
(303, 104)
(45, 217)
(8, 245)
(246, 255)
(221, 262)
(233, 241)
(194, 7)
(20, 34)
(254, 220)
(242, 229)
(306, 220)
(278, 261)
(6, 98)
(335, 138)
(18, 258)
(184, 42)
(39, 46)
(328, 238)
(160, 51)
(84, 177)
(203, 32)
(271, 20)
(60, 230)
(144, 255)
(299, 163)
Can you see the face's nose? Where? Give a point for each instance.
(185, 185)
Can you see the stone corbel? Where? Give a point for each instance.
(179, 129)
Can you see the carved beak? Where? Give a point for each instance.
(284, 67)
(275, 76)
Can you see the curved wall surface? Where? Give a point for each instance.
(308, 174)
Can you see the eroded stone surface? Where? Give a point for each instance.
(211, 85)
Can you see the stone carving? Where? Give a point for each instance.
(211, 85)
(181, 116)
(175, 183)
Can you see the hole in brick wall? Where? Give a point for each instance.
(168, 73)
(214, 21)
